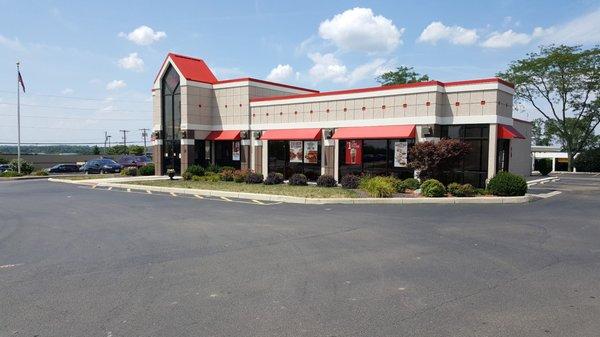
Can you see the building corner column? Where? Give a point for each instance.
(188, 153)
(493, 147)
(157, 157)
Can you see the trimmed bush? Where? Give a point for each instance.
(378, 187)
(411, 183)
(461, 190)
(227, 174)
(507, 184)
(254, 178)
(214, 168)
(239, 176)
(545, 166)
(210, 177)
(274, 178)
(326, 181)
(129, 171)
(147, 170)
(298, 179)
(433, 188)
(26, 168)
(195, 170)
(187, 176)
(396, 183)
(10, 174)
(350, 181)
(223, 168)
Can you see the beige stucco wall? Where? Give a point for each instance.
(520, 150)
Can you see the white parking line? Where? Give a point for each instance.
(173, 194)
(225, 198)
(198, 196)
(149, 192)
(10, 265)
(129, 190)
(94, 186)
(110, 188)
(258, 202)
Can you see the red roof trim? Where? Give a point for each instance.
(383, 88)
(198, 72)
(265, 82)
(224, 135)
(508, 132)
(376, 132)
(291, 134)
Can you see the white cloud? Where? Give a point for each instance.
(327, 67)
(132, 62)
(281, 73)
(144, 36)
(437, 31)
(582, 30)
(67, 91)
(115, 84)
(371, 70)
(506, 39)
(13, 44)
(358, 29)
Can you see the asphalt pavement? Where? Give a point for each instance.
(77, 261)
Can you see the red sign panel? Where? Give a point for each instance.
(353, 152)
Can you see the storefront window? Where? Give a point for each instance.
(227, 153)
(296, 156)
(473, 169)
(171, 120)
(376, 157)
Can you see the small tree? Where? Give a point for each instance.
(401, 75)
(95, 150)
(433, 159)
(136, 150)
(117, 149)
(563, 84)
(26, 168)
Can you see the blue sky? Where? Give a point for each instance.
(89, 66)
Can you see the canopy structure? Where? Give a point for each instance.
(224, 135)
(508, 132)
(376, 132)
(291, 134)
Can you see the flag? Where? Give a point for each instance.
(21, 82)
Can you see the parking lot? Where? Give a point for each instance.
(82, 261)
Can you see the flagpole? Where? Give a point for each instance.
(18, 122)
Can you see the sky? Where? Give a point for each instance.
(88, 66)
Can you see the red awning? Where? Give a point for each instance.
(376, 132)
(224, 135)
(508, 132)
(291, 134)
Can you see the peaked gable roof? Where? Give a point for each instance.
(192, 69)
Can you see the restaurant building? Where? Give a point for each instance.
(272, 127)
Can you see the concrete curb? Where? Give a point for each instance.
(300, 200)
(542, 180)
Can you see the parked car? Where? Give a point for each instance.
(4, 167)
(63, 168)
(103, 165)
(134, 161)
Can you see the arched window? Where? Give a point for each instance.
(171, 118)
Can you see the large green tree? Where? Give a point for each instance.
(561, 82)
(401, 75)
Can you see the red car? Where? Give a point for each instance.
(134, 161)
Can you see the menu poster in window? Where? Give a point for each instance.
(235, 153)
(295, 151)
(400, 154)
(311, 152)
(353, 152)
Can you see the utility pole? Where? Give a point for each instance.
(105, 139)
(124, 136)
(18, 119)
(144, 135)
(108, 140)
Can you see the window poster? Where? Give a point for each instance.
(353, 152)
(311, 152)
(235, 153)
(296, 151)
(400, 154)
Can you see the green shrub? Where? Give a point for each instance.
(187, 176)
(195, 170)
(378, 187)
(226, 174)
(588, 160)
(210, 177)
(254, 178)
(326, 181)
(214, 168)
(3, 160)
(26, 168)
(507, 184)
(129, 171)
(239, 176)
(545, 166)
(298, 179)
(40, 173)
(461, 190)
(273, 178)
(223, 168)
(10, 174)
(396, 183)
(147, 170)
(433, 188)
(350, 181)
(411, 183)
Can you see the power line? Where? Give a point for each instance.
(124, 136)
(81, 118)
